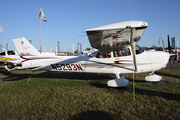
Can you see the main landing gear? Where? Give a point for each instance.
(118, 82)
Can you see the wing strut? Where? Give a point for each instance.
(132, 43)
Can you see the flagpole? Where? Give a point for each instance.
(40, 35)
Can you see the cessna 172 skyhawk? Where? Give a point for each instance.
(117, 55)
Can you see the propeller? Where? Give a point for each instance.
(169, 48)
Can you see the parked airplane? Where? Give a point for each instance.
(9, 59)
(88, 52)
(117, 54)
(7, 55)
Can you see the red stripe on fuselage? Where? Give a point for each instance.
(27, 59)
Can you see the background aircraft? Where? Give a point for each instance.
(9, 59)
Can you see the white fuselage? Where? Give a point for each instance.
(147, 61)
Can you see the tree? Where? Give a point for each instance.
(88, 49)
(76, 51)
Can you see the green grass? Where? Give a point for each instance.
(56, 95)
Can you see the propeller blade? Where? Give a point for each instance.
(169, 47)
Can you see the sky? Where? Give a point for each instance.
(67, 20)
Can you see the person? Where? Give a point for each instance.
(120, 53)
(100, 56)
(115, 54)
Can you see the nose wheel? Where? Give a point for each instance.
(153, 77)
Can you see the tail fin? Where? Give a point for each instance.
(24, 47)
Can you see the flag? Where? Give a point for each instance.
(1, 30)
(42, 16)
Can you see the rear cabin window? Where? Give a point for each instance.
(122, 52)
(103, 55)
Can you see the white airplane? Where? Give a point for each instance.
(9, 59)
(87, 52)
(116, 56)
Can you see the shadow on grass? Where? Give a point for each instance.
(135, 80)
(83, 76)
(99, 85)
(58, 75)
(165, 95)
(93, 115)
(167, 75)
(14, 77)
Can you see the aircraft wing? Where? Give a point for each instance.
(116, 35)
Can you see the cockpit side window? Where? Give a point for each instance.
(121, 52)
(103, 55)
(11, 52)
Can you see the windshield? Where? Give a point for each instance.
(92, 54)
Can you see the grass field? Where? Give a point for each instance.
(74, 96)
